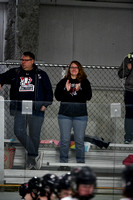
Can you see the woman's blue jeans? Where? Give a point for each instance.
(79, 126)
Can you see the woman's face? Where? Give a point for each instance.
(74, 70)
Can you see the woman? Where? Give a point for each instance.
(73, 91)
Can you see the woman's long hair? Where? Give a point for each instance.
(81, 75)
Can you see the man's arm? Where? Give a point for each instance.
(8, 76)
(48, 90)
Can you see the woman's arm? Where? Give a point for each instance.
(62, 92)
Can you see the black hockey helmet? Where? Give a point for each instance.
(85, 176)
(49, 183)
(35, 185)
(64, 182)
(23, 190)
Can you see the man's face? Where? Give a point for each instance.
(85, 190)
(27, 63)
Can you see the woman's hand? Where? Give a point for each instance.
(68, 85)
(78, 86)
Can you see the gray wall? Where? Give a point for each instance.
(95, 35)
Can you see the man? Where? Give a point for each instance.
(125, 71)
(30, 94)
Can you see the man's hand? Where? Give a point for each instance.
(0, 87)
(43, 108)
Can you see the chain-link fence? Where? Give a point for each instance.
(107, 88)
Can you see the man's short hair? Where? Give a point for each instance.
(30, 54)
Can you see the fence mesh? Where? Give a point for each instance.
(107, 88)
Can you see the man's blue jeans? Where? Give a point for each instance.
(30, 141)
(79, 126)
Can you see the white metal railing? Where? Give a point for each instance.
(1, 139)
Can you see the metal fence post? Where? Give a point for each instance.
(1, 139)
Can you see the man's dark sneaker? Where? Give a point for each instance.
(30, 167)
(39, 160)
(30, 163)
